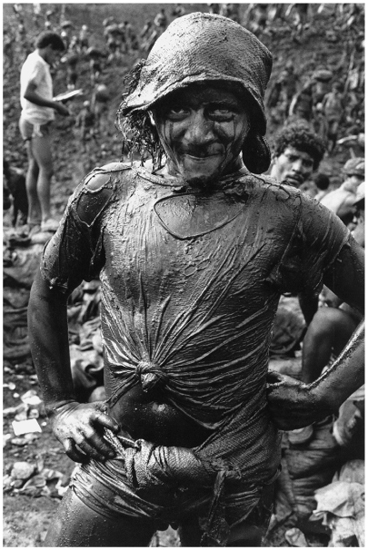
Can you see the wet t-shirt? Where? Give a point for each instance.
(190, 286)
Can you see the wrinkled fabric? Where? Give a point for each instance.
(110, 490)
(200, 309)
(341, 505)
(200, 47)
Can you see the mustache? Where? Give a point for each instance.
(295, 176)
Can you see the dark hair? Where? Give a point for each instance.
(300, 136)
(50, 38)
(322, 181)
(141, 136)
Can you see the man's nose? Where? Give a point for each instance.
(200, 130)
(298, 165)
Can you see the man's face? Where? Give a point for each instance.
(52, 56)
(355, 179)
(292, 167)
(202, 129)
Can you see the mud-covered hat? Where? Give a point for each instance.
(355, 167)
(203, 47)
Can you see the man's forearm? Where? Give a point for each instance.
(35, 98)
(48, 332)
(346, 374)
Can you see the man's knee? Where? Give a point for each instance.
(323, 321)
(47, 171)
(32, 176)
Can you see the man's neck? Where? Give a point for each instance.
(351, 186)
(42, 53)
(170, 168)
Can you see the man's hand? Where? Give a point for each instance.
(80, 427)
(293, 404)
(61, 109)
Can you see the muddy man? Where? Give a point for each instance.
(193, 252)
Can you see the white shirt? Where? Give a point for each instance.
(36, 69)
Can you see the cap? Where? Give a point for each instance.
(355, 167)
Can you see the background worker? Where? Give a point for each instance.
(38, 107)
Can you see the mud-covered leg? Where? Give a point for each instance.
(76, 524)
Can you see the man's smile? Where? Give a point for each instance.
(201, 157)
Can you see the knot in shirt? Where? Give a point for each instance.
(151, 376)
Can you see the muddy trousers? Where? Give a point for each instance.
(76, 524)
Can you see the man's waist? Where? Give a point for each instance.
(38, 115)
(156, 420)
(37, 123)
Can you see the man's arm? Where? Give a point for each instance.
(79, 427)
(31, 95)
(308, 304)
(294, 404)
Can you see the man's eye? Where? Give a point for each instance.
(221, 114)
(176, 112)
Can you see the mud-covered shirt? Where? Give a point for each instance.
(190, 286)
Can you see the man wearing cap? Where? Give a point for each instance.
(193, 254)
(341, 201)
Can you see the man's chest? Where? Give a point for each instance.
(181, 243)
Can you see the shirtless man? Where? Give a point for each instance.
(192, 255)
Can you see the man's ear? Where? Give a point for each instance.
(273, 159)
(150, 114)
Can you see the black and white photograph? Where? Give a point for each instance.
(183, 274)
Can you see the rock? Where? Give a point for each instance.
(17, 483)
(31, 398)
(23, 415)
(7, 483)
(22, 470)
(37, 481)
(19, 441)
(10, 411)
(6, 438)
(24, 267)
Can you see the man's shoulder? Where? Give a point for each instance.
(295, 204)
(270, 187)
(99, 188)
(34, 58)
(34, 62)
(103, 176)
